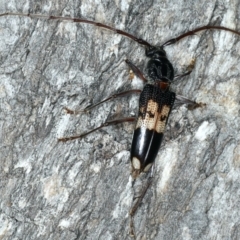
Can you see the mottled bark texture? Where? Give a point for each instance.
(82, 189)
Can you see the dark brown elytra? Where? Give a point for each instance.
(154, 103)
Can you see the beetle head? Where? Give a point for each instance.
(155, 52)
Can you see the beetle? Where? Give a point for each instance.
(156, 100)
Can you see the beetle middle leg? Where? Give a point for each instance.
(191, 105)
(87, 109)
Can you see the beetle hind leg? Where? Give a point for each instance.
(140, 192)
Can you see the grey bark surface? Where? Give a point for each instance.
(82, 189)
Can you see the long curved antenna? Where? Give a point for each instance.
(138, 40)
(80, 20)
(189, 33)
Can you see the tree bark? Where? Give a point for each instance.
(82, 189)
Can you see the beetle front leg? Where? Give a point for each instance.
(136, 70)
(190, 67)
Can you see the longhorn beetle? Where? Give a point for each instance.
(155, 103)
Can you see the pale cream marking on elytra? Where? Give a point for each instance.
(158, 121)
(136, 163)
(162, 118)
(146, 169)
(148, 122)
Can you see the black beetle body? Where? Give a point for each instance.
(155, 104)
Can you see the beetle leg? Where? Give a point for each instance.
(136, 70)
(180, 100)
(87, 109)
(189, 70)
(107, 123)
(139, 199)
